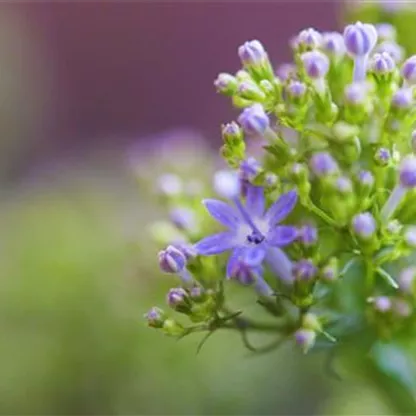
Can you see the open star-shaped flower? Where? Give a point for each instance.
(251, 228)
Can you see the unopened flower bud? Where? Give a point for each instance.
(364, 226)
(226, 84)
(308, 39)
(308, 235)
(286, 71)
(382, 156)
(323, 164)
(366, 179)
(305, 270)
(382, 64)
(186, 249)
(197, 293)
(394, 227)
(305, 338)
(316, 64)
(254, 120)
(360, 38)
(402, 99)
(330, 272)
(172, 328)
(311, 321)
(343, 185)
(155, 317)
(171, 260)
(296, 89)
(178, 299)
(252, 53)
(333, 44)
(232, 133)
(409, 70)
(382, 304)
(355, 94)
(249, 90)
(408, 172)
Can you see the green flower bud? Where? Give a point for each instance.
(172, 328)
(226, 84)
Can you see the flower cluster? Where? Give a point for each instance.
(319, 226)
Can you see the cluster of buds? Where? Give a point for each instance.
(331, 196)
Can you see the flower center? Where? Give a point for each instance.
(255, 238)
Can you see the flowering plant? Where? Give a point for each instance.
(320, 225)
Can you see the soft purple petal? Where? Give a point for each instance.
(215, 244)
(280, 264)
(255, 200)
(282, 207)
(222, 212)
(254, 255)
(261, 287)
(282, 235)
(233, 261)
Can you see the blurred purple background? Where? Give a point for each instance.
(104, 73)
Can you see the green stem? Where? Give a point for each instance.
(323, 215)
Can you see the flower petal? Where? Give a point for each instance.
(255, 200)
(282, 235)
(254, 255)
(215, 244)
(222, 212)
(233, 261)
(282, 207)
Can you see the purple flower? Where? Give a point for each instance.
(360, 38)
(410, 236)
(382, 304)
(286, 71)
(252, 53)
(231, 132)
(254, 120)
(171, 260)
(155, 317)
(343, 185)
(296, 89)
(402, 98)
(333, 44)
(383, 156)
(305, 270)
(252, 230)
(409, 70)
(323, 164)
(226, 83)
(366, 179)
(305, 338)
(176, 297)
(355, 93)
(308, 39)
(316, 64)
(308, 235)
(364, 225)
(382, 63)
(408, 172)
